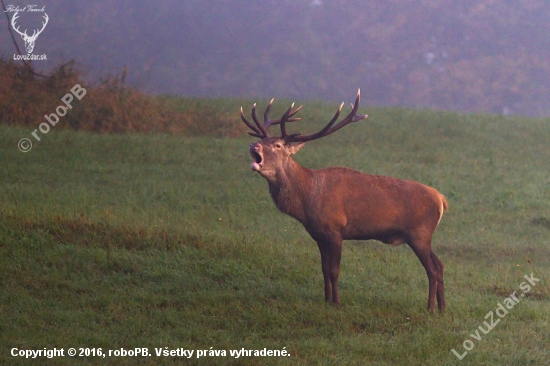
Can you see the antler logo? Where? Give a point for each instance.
(29, 40)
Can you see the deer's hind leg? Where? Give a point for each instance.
(434, 271)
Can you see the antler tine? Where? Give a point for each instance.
(321, 133)
(260, 130)
(351, 117)
(293, 113)
(266, 113)
(268, 122)
(329, 128)
(260, 127)
(285, 118)
(256, 132)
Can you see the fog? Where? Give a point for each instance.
(469, 56)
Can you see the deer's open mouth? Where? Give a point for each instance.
(258, 161)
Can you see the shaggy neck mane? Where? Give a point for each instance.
(290, 189)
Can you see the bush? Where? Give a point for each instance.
(109, 106)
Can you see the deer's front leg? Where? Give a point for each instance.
(325, 263)
(331, 253)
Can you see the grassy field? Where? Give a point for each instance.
(155, 241)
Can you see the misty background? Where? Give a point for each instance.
(468, 56)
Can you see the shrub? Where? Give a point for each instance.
(109, 106)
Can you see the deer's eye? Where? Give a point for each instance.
(278, 146)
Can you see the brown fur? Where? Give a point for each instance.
(336, 204)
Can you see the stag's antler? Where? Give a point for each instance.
(261, 130)
(328, 129)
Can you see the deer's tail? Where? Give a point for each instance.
(444, 202)
(444, 207)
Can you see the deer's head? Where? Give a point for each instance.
(271, 154)
(29, 40)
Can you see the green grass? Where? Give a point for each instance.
(123, 241)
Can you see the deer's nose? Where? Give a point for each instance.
(254, 146)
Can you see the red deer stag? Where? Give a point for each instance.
(336, 204)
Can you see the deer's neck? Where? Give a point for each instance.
(290, 188)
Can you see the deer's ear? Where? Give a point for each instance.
(294, 147)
